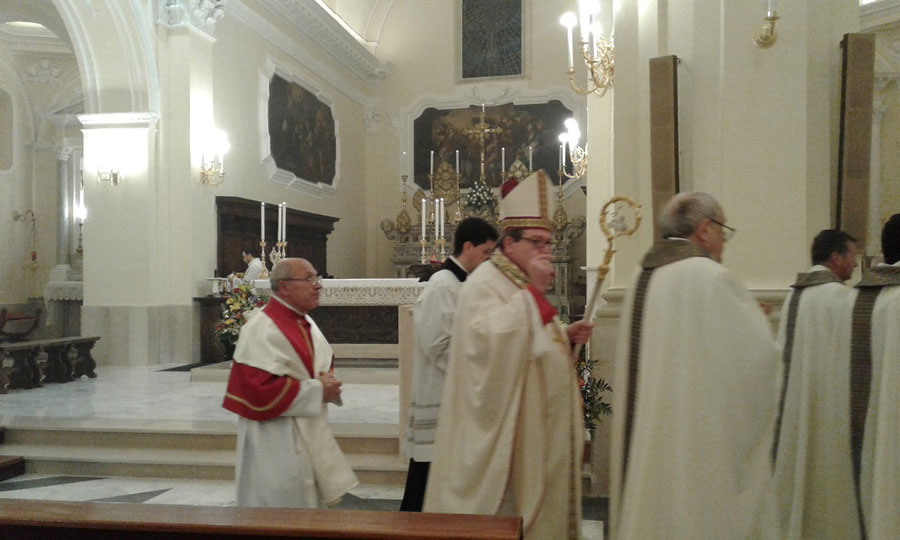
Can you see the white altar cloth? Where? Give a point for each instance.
(361, 292)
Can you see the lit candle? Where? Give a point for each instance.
(422, 232)
(457, 162)
(502, 159)
(569, 36)
(431, 167)
(284, 222)
(437, 219)
(530, 166)
(482, 106)
(442, 217)
(562, 148)
(262, 222)
(771, 7)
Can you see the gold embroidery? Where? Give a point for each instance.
(284, 391)
(509, 269)
(535, 223)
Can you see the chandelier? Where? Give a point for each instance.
(597, 50)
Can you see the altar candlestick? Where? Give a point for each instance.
(437, 219)
(262, 222)
(422, 235)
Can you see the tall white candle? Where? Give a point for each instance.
(771, 6)
(457, 162)
(482, 106)
(562, 155)
(284, 222)
(503, 159)
(431, 166)
(262, 222)
(530, 166)
(442, 217)
(437, 218)
(569, 34)
(422, 232)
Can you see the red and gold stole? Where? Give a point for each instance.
(259, 395)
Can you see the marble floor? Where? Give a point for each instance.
(154, 396)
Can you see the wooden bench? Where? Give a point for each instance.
(22, 334)
(67, 359)
(38, 520)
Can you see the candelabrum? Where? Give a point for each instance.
(264, 273)
(276, 254)
(457, 215)
(578, 156)
(601, 66)
(765, 35)
(439, 249)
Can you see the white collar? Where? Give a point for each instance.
(459, 264)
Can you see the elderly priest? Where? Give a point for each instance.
(813, 488)
(280, 385)
(696, 390)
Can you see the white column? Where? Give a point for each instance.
(63, 215)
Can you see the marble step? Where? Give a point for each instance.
(361, 439)
(348, 371)
(11, 466)
(202, 452)
(372, 469)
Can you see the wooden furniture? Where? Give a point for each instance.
(37, 520)
(210, 311)
(238, 228)
(67, 359)
(21, 334)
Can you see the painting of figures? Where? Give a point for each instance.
(445, 131)
(301, 132)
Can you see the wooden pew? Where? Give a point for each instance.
(67, 359)
(38, 520)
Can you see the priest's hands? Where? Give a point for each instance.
(331, 387)
(540, 272)
(579, 332)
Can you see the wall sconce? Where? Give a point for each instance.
(598, 51)
(110, 177)
(212, 169)
(577, 154)
(765, 35)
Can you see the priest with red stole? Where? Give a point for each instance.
(280, 384)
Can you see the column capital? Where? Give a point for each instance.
(63, 153)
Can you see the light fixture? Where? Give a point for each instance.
(110, 177)
(765, 35)
(577, 154)
(212, 168)
(597, 50)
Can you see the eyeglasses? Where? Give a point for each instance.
(539, 243)
(314, 280)
(727, 232)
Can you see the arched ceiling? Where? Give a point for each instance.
(42, 12)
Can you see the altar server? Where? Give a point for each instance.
(868, 386)
(280, 384)
(696, 390)
(473, 243)
(814, 491)
(510, 428)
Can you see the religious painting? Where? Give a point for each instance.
(301, 132)
(509, 132)
(491, 38)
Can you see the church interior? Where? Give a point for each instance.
(144, 144)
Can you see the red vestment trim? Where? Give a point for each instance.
(259, 395)
(546, 309)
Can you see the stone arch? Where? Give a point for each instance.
(113, 45)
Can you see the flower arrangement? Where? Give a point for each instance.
(480, 198)
(592, 389)
(238, 303)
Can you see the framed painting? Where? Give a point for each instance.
(529, 133)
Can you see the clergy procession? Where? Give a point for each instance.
(721, 429)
